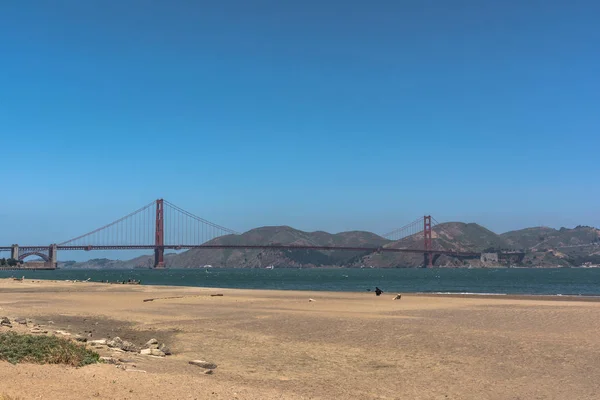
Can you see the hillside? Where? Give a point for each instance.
(451, 236)
(278, 235)
(557, 246)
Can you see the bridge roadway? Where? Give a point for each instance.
(33, 249)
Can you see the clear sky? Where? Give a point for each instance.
(331, 115)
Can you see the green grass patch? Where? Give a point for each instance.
(16, 348)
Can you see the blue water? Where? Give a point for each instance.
(566, 281)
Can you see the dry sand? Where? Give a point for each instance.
(278, 345)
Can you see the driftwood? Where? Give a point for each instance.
(180, 297)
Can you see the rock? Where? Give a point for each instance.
(135, 370)
(99, 342)
(21, 321)
(310, 300)
(398, 297)
(128, 346)
(156, 352)
(152, 346)
(38, 331)
(163, 347)
(116, 342)
(4, 321)
(109, 360)
(203, 364)
(62, 333)
(80, 338)
(146, 352)
(207, 372)
(151, 342)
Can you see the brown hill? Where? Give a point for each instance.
(282, 258)
(557, 246)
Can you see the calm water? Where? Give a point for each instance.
(573, 281)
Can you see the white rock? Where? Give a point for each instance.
(146, 352)
(151, 342)
(98, 342)
(156, 352)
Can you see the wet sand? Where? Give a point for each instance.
(278, 345)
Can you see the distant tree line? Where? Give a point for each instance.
(9, 262)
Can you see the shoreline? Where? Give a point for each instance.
(457, 295)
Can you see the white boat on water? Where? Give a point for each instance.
(270, 267)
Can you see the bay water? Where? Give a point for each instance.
(547, 281)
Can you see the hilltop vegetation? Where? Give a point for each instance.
(545, 247)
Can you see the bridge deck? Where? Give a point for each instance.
(252, 247)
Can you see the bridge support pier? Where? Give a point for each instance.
(52, 259)
(14, 252)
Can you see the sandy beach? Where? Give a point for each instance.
(280, 345)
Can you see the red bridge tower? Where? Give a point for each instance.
(159, 236)
(427, 245)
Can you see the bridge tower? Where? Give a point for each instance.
(427, 245)
(159, 237)
(52, 249)
(14, 251)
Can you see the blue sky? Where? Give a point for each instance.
(316, 114)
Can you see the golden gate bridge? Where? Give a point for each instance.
(161, 225)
